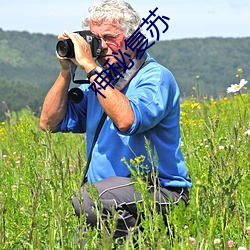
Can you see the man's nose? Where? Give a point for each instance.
(104, 44)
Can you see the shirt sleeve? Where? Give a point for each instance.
(153, 98)
(75, 117)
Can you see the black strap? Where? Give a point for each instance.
(97, 132)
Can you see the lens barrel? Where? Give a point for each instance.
(75, 95)
(65, 48)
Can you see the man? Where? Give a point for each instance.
(142, 103)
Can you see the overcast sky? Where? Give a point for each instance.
(188, 18)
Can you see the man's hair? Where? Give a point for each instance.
(116, 12)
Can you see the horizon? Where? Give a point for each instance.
(162, 40)
(192, 19)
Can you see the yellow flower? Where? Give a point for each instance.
(138, 160)
(240, 70)
(132, 162)
(195, 105)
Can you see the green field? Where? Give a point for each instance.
(40, 172)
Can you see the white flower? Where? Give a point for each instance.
(237, 87)
(22, 210)
(217, 241)
(246, 133)
(242, 248)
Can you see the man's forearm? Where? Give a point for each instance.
(117, 107)
(55, 103)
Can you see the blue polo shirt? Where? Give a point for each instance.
(154, 97)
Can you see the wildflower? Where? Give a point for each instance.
(22, 210)
(198, 182)
(240, 70)
(195, 106)
(132, 162)
(242, 248)
(216, 241)
(237, 87)
(14, 188)
(247, 133)
(221, 147)
(248, 230)
(45, 216)
(192, 240)
(230, 244)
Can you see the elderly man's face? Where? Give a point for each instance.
(112, 40)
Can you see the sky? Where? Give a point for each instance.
(188, 18)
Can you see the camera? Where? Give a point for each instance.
(65, 48)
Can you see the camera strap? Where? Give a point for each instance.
(99, 127)
(97, 132)
(73, 69)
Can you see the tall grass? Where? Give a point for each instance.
(40, 172)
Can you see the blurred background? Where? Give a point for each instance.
(206, 47)
(188, 19)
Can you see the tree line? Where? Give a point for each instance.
(202, 67)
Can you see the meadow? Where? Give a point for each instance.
(40, 172)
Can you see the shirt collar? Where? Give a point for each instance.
(122, 82)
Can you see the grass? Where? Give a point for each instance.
(40, 172)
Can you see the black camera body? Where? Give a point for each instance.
(65, 48)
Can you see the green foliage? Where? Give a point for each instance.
(208, 62)
(40, 172)
(14, 95)
(36, 184)
(202, 67)
(28, 68)
(28, 58)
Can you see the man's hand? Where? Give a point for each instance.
(66, 63)
(83, 54)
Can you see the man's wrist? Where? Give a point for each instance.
(94, 71)
(65, 73)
